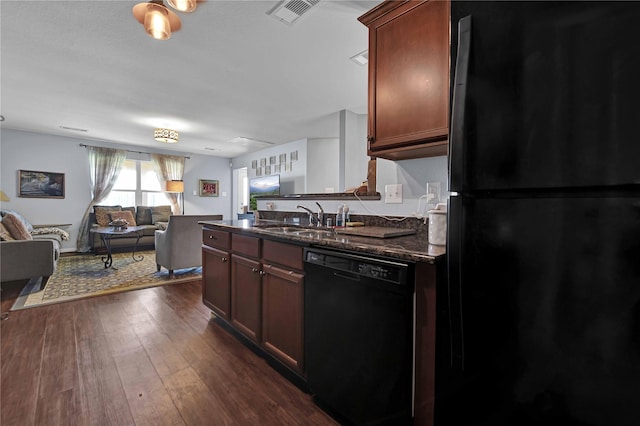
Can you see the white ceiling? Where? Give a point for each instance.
(231, 71)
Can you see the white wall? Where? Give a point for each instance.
(412, 174)
(355, 149)
(292, 181)
(323, 157)
(34, 151)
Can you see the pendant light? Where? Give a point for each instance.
(183, 5)
(158, 21)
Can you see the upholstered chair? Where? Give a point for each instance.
(180, 245)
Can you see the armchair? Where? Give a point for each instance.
(180, 245)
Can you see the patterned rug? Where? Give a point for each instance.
(82, 276)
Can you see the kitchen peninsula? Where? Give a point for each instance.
(257, 278)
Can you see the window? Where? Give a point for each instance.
(137, 185)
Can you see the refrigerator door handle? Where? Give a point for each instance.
(456, 140)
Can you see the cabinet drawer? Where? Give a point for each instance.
(249, 246)
(218, 239)
(283, 254)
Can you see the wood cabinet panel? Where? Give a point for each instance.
(248, 246)
(425, 342)
(282, 314)
(246, 296)
(284, 254)
(217, 239)
(408, 79)
(216, 283)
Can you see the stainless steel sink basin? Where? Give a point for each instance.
(283, 229)
(316, 233)
(302, 232)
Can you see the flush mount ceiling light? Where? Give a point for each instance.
(159, 22)
(165, 135)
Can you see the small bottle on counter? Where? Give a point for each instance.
(345, 212)
(339, 218)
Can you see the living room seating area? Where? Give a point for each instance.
(180, 245)
(151, 218)
(28, 251)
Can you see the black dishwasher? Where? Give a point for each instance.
(359, 336)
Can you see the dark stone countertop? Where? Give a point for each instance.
(410, 247)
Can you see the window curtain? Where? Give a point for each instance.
(104, 167)
(169, 167)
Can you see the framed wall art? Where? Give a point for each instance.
(208, 188)
(36, 184)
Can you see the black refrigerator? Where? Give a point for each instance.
(542, 323)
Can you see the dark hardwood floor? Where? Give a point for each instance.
(145, 357)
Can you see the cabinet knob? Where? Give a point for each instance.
(262, 272)
(211, 237)
(370, 139)
(254, 270)
(224, 259)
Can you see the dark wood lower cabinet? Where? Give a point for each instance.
(282, 315)
(246, 296)
(216, 273)
(256, 286)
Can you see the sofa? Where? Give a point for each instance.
(180, 245)
(33, 254)
(150, 218)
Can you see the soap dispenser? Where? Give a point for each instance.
(339, 217)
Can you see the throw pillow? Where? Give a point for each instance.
(160, 214)
(19, 216)
(131, 209)
(103, 216)
(126, 215)
(143, 216)
(16, 228)
(5, 235)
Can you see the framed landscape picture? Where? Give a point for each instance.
(36, 184)
(208, 188)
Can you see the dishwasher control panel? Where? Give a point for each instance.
(369, 267)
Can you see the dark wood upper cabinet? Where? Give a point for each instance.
(408, 79)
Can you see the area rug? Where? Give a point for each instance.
(82, 276)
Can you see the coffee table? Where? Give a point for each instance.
(109, 233)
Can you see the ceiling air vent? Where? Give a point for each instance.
(289, 11)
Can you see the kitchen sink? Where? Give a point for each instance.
(283, 229)
(319, 233)
(302, 232)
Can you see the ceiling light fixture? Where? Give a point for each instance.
(159, 22)
(165, 135)
(183, 5)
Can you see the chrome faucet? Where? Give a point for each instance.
(312, 218)
(320, 214)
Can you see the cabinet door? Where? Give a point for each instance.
(216, 281)
(408, 79)
(246, 296)
(282, 315)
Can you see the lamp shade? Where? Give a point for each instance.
(3, 196)
(175, 186)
